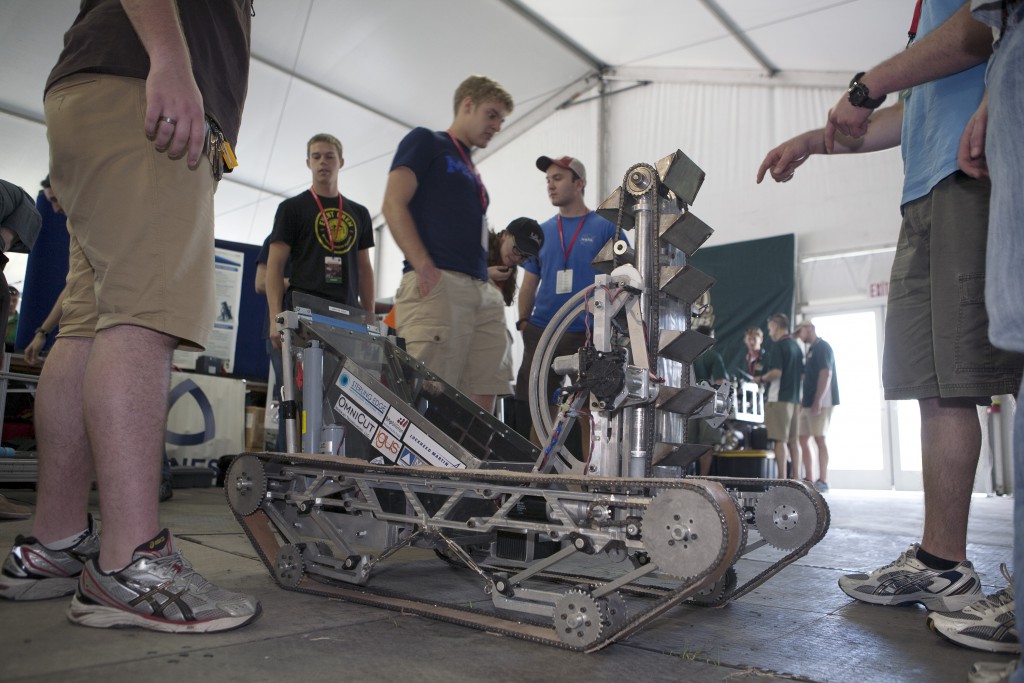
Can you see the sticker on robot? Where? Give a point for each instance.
(396, 422)
(363, 395)
(429, 450)
(351, 412)
(407, 458)
(386, 442)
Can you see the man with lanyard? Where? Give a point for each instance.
(938, 275)
(324, 237)
(572, 238)
(435, 204)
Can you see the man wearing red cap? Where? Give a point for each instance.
(572, 238)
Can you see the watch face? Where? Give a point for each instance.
(858, 93)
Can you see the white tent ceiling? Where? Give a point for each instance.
(741, 74)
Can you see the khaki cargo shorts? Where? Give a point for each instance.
(141, 224)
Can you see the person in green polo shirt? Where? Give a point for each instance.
(785, 366)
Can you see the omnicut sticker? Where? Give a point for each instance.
(351, 412)
(396, 422)
(363, 395)
(387, 443)
(429, 450)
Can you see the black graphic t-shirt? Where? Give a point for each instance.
(318, 268)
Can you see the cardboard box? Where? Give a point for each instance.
(254, 428)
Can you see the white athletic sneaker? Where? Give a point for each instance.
(908, 580)
(988, 624)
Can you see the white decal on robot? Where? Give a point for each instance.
(387, 443)
(360, 420)
(396, 422)
(429, 450)
(363, 395)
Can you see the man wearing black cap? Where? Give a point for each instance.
(572, 238)
(520, 242)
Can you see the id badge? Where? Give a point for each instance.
(332, 270)
(563, 282)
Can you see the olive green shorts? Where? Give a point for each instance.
(936, 327)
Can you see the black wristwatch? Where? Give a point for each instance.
(41, 331)
(859, 95)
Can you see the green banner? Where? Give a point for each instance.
(753, 280)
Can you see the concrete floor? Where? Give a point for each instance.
(798, 626)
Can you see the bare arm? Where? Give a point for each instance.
(528, 294)
(171, 90)
(35, 347)
(958, 44)
(367, 285)
(261, 278)
(824, 382)
(971, 154)
(399, 192)
(885, 132)
(278, 256)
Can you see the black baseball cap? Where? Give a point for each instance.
(528, 236)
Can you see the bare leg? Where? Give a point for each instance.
(485, 401)
(65, 461)
(794, 453)
(781, 457)
(950, 446)
(819, 442)
(805, 451)
(125, 397)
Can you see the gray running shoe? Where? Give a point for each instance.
(988, 624)
(34, 572)
(821, 486)
(908, 580)
(991, 672)
(159, 591)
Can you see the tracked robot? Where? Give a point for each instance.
(404, 494)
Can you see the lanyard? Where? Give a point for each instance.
(561, 237)
(472, 168)
(323, 214)
(912, 33)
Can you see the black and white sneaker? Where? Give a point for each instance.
(908, 580)
(988, 624)
(159, 591)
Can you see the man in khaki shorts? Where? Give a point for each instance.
(128, 107)
(820, 396)
(435, 204)
(937, 350)
(784, 365)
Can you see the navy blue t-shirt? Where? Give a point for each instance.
(449, 204)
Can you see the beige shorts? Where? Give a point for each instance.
(141, 224)
(458, 330)
(781, 420)
(815, 425)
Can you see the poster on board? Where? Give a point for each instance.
(228, 296)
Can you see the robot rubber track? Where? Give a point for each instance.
(300, 510)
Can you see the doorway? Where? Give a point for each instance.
(873, 443)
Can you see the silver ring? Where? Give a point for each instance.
(168, 119)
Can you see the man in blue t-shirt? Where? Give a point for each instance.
(572, 238)
(435, 204)
(820, 396)
(937, 277)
